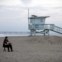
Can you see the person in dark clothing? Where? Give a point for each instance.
(7, 44)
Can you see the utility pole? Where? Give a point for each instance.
(28, 16)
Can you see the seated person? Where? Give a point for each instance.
(7, 44)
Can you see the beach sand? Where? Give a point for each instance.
(33, 49)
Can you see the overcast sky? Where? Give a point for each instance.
(14, 13)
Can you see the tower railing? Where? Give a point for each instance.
(51, 27)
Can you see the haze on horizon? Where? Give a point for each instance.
(14, 13)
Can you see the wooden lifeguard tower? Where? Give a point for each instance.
(37, 24)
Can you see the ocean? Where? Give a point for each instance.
(3, 34)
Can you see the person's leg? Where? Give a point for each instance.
(11, 47)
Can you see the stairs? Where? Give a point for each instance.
(53, 28)
(57, 29)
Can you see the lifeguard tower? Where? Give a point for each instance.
(37, 24)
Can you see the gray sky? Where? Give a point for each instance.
(13, 13)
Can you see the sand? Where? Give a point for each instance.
(33, 49)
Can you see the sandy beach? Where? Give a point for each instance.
(33, 49)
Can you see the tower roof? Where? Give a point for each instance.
(37, 17)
